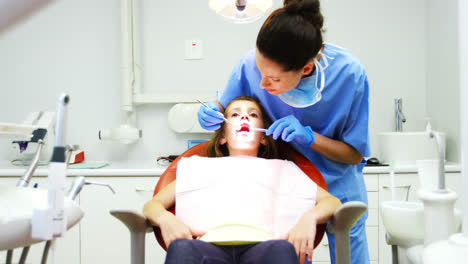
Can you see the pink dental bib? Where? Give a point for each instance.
(252, 196)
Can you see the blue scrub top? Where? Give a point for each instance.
(342, 114)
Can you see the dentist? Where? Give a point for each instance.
(317, 94)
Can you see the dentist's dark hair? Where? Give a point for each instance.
(292, 35)
(268, 151)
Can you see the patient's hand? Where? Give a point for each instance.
(172, 228)
(302, 236)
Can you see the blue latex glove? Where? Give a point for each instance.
(289, 128)
(210, 118)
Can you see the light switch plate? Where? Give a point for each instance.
(193, 49)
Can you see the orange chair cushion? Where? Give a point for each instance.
(306, 166)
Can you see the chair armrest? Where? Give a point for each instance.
(134, 220)
(346, 216)
(340, 224)
(138, 226)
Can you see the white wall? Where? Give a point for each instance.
(73, 46)
(443, 90)
(389, 39)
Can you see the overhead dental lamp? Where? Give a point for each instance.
(240, 11)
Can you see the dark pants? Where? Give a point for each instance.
(183, 251)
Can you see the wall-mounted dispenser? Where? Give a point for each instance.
(124, 134)
(183, 118)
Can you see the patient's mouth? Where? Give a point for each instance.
(244, 127)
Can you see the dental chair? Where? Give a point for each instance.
(340, 224)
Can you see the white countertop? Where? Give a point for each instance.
(129, 168)
(151, 168)
(408, 168)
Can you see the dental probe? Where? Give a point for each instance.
(224, 118)
(229, 122)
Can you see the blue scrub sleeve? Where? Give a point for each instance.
(237, 84)
(356, 132)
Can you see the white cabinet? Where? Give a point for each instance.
(321, 252)
(104, 239)
(101, 238)
(372, 224)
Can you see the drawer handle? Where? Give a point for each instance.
(325, 244)
(400, 186)
(143, 190)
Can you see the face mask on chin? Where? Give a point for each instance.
(307, 92)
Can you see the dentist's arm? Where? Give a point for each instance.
(158, 215)
(290, 129)
(336, 150)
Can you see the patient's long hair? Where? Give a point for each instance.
(268, 151)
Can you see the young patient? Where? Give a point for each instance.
(243, 112)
